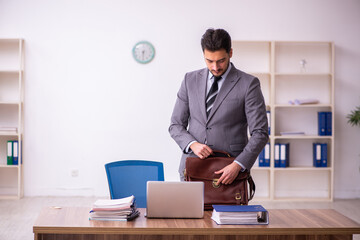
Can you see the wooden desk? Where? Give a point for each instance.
(73, 223)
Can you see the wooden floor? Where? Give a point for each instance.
(18, 216)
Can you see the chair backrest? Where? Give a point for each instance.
(129, 177)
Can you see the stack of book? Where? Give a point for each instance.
(122, 209)
(240, 214)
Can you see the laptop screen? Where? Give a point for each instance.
(175, 199)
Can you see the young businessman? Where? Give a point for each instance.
(214, 108)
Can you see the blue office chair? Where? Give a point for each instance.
(129, 177)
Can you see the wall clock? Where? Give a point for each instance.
(143, 52)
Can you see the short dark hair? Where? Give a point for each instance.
(216, 39)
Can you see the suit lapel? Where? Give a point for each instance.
(201, 79)
(230, 81)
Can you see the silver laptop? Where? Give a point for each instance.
(175, 199)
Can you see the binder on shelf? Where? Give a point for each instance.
(324, 158)
(15, 151)
(264, 156)
(240, 214)
(10, 153)
(267, 155)
(269, 121)
(261, 158)
(328, 123)
(316, 154)
(320, 155)
(324, 123)
(284, 155)
(277, 155)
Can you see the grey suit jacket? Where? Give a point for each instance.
(238, 105)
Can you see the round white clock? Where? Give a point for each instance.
(143, 52)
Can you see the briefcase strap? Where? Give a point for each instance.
(252, 187)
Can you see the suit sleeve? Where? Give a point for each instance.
(180, 118)
(255, 111)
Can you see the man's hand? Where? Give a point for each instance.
(229, 173)
(201, 150)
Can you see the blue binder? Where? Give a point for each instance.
(324, 123)
(321, 123)
(320, 155)
(15, 152)
(324, 155)
(328, 123)
(269, 121)
(240, 214)
(284, 155)
(316, 154)
(267, 155)
(262, 158)
(277, 155)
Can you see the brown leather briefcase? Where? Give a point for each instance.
(236, 193)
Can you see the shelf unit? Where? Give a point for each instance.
(11, 115)
(290, 70)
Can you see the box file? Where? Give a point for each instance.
(277, 155)
(264, 156)
(267, 155)
(15, 151)
(269, 121)
(320, 155)
(284, 154)
(324, 123)
(10, 153)
(240, 214)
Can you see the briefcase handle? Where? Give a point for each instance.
(218, 153)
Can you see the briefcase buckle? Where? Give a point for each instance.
(215, 183)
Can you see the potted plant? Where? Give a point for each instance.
(354, 117)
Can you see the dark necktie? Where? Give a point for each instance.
(210, 98)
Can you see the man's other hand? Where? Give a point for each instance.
(229, 173)
(201, 150)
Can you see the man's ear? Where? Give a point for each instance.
(230, 53)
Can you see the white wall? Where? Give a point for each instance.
(88, 102)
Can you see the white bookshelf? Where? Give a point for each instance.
(11, 115)
(278, 66)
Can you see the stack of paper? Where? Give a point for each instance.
(114, 209)
(240, 214)
(8, 129)
(304, 101)
(292, 133)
